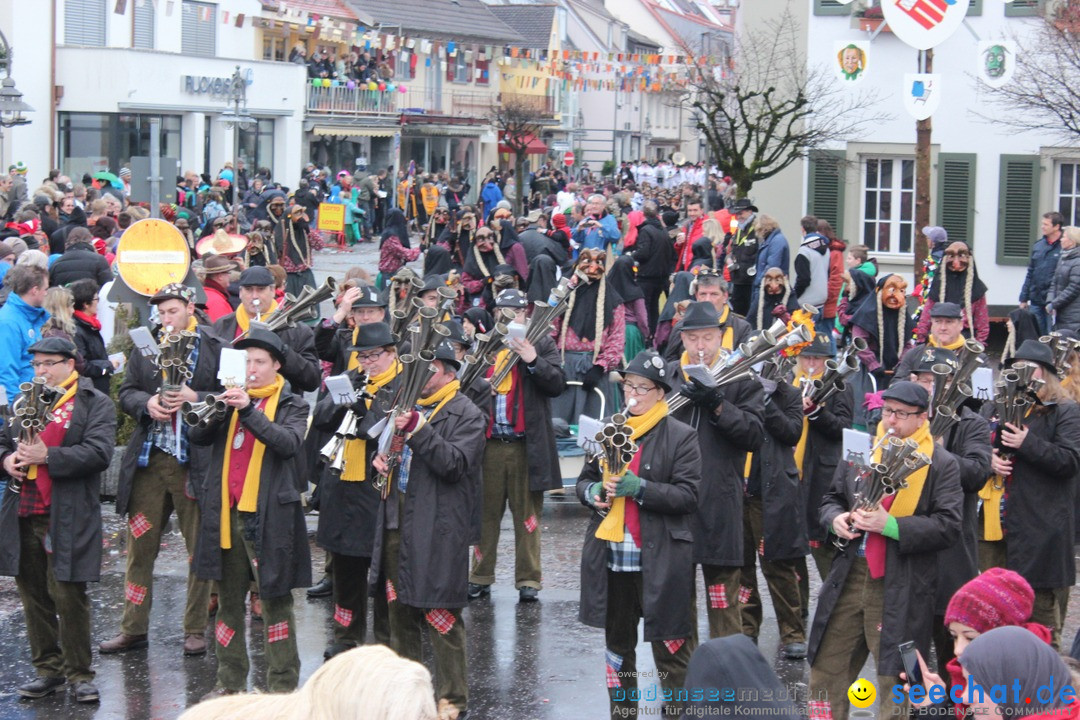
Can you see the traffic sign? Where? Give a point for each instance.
(568, 159)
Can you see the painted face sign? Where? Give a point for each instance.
(852, 59)
(924, 24)
(996, 62)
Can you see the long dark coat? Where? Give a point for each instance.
(301, 367)
(910, 563)
(142, 380)
(348, 510)
(436, 521)
(723, 440)
(824, 445)
(1039, 520)
(670, 460)
(281, 543)
(75, 468)
(969, 442)
(774, 466)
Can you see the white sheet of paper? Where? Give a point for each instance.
(144, 342)
(3, 395)
(233, 367)
(982, 384)
(701, 374)
(340, 389)
(386, 436)
(516, 331)
(117, 358)
(377, 429)
(857, 446)
(587, 429)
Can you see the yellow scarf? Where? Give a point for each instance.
(501, 359)
(954, 345)
(250, 495)
(991, 495)
(800, 447)
(355, 469)
(244, 320)
(613, 528)
(908, 499)
(440, 398)
(70, 386)
(353, 363)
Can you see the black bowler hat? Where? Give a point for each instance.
(650, 366)
(700, 316)
(55, 346)
(369, 297)
(444, 352)
(457, 333)
(371, 336)
(433, 282)
(819, 347)
(945, 310)
(260, 337)
(511, 298)
(908, 393)
(256, 276)
(1036, 352)
(931, 356)
(743, 204)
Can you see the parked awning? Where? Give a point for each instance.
(535, 146)
(353, 131)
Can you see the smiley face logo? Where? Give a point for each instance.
(862, 693)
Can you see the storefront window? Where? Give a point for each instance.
(257, 145)
(92, 142)
(463, 155)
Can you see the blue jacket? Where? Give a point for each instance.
(491, 195)
(774, 252)
(599, 239)
(20, 327)
(1040, 272)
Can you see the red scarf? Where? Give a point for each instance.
(633, 519)
(515, 405)
(875, 546)
(90, 320)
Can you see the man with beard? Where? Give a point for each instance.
(293, 249)
(883, 322)
(591, 336)
(957, 281)
(742, 250)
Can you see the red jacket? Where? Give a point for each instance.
(217, 304)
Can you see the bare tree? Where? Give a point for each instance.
(765, 108)
(518, 122)
(1044, 92)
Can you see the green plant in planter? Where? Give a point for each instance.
(608, 168)
(121, 342)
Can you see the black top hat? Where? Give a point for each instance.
(945, 310)
(700, 316)
(445, 352)
(649, 365)
(743, 204)
(433, 282)
(1036, 352)
(371, 336)
(369, 297)
(260, 337)
(908, 393)
(457, 333)
(819, 347)
(257, 276)
(931, 356)
(511, 298)
(55, 346)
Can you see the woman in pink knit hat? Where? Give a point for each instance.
(994, 599)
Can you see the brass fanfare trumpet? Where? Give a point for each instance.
(30, 413)
(950, 394)
(540, 323)
(304, 306)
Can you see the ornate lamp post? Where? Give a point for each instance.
(12, 106)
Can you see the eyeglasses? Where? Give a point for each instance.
(45, 363)
(638, 389)
(369, 356)
(898, 414)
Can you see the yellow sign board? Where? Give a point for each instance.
(331, 217)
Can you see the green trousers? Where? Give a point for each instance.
(672, 657)
(506, 481)
(57, 613)
(853, 633)
(722, 601)
(239, 566)
(351, 601)
(781, 577)
(157, 490)
(447, 635)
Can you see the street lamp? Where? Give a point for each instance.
(237, 118)
(12, 106)
(647, 137)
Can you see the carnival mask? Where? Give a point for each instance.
(592, 262)
(957, 257)
(994, 61)
(485, 242)
(774, 283)
(893, 293)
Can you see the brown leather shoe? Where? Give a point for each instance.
(194, 645)
(122, 643)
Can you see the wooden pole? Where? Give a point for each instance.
(923, 132)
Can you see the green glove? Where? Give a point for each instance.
(628, 485)
(596, 490)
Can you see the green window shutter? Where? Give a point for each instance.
(956, 195)
(825, 195)
(1018, 210)
(1024, 8)
(975, 8)
(831, 7)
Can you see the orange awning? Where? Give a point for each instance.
(534, 146)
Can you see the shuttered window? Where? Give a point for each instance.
(832, 7)
(1024, 8)
(956, 195)
(1068, 191)
(84, 22)
(143, 36)
(1018, 211)
(975, 8)
(199, 29)
(826, 187)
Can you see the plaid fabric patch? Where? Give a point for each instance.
(815, 543)
(391, 593)
(343, 616)
(440, 619)
(531, 523)
(224, 634)
(718, 597)
(255, 563)
(674, 645)
(135, 594)
(761, 548)
(614, 664)
(278, 632)
(744, 594)
(139, 525)
(477, 554)
(819, 710)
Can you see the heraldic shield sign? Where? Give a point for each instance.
(996, 62)
(924, 24)
(922, 94)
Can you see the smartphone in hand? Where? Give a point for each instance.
(910, 658)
